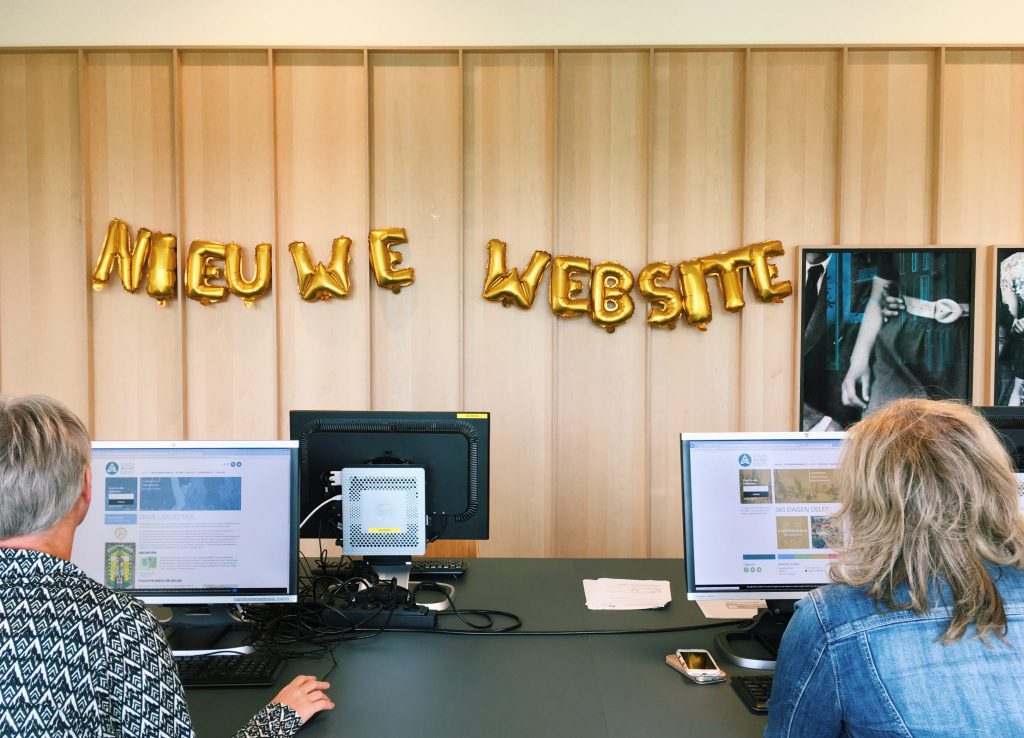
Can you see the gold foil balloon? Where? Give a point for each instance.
(666, 302)
(564, 289)
(728, 268)
(610, 303)
(696, 300)
(130, 261)
(248, 289)
(163, 267)
(763, 273)
(200, 269)
(384, 260)
(507, 287)
(320, 282)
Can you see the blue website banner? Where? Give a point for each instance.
(120, 493)
(190, 493)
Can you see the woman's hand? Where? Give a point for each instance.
(306, 696)
(857, 386)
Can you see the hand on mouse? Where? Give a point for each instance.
(306, 696)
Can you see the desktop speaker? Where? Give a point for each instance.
(383, 510)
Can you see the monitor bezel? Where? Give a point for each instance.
(792, 593)
(292, 595)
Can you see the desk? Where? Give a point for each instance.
(453, 686)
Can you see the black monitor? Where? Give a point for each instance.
(1008, 423)
(448, 450)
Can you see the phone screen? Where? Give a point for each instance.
(697, 660)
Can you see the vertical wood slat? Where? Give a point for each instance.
(696, 209)
(227, 155)
(131, 176)
(179, 211)
(600, 383)
(43, 279)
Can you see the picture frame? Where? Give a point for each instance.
(880, 323)
(1008, 333)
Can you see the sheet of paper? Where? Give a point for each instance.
(730, 609)
(626, 594)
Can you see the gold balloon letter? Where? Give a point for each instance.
(199, 270)
(163, 267)
(610, 302)
(564, 289)
(763, 272)
(728, 268)
(247, 289)
(696, 300)
(130, 261)
(384, 260)
(666, 302)
(319, 282)
(507, 287)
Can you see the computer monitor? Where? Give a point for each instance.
(1008, 423)
(202, 524)
(756, 510)
(440, 460)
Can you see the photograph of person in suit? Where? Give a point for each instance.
(895, 323)
(1010, 329)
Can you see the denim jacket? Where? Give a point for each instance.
(850, 668)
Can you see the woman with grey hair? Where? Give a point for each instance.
(923, 632)
(79, 659)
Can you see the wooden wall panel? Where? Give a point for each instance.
(323, 193)
(792, 126)
(600, 489)
(415, 160)
(889, 131)
(509, 195)
(228, 177)
(131, 175)
(44, 320)
(697, 209)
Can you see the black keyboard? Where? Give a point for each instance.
(226, 670)
(430, 568)
(754, 691)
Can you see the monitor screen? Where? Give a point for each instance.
(452, 448)
(193, 522)
(756, 510)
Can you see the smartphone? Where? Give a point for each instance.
(698, 665)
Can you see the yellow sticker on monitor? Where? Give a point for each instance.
(383, 530)
(471, 415)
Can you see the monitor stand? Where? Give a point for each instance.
(759, 641)
(197, 627)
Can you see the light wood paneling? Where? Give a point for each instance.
(888, 147)
(228, 173)
(789, 194)
(600, 380)
(697, 209)
(981, 189)
(44, 323)
(416, 139)
(323, 193)
(509, 181)
(132, 176)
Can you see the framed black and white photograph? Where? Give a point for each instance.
(879, 324)
(1009, 348)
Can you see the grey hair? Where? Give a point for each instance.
(44, 451)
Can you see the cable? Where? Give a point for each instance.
(317, 509)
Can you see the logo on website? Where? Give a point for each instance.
(745, 460)
(112, 467)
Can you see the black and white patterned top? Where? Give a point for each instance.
(78, 659)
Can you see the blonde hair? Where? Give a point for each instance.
(929, 495)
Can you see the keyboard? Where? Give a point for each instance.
(754, 691)
(224, 670)
(430, 568)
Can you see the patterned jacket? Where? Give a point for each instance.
(78, 659)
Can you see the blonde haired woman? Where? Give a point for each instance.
(923, 632)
